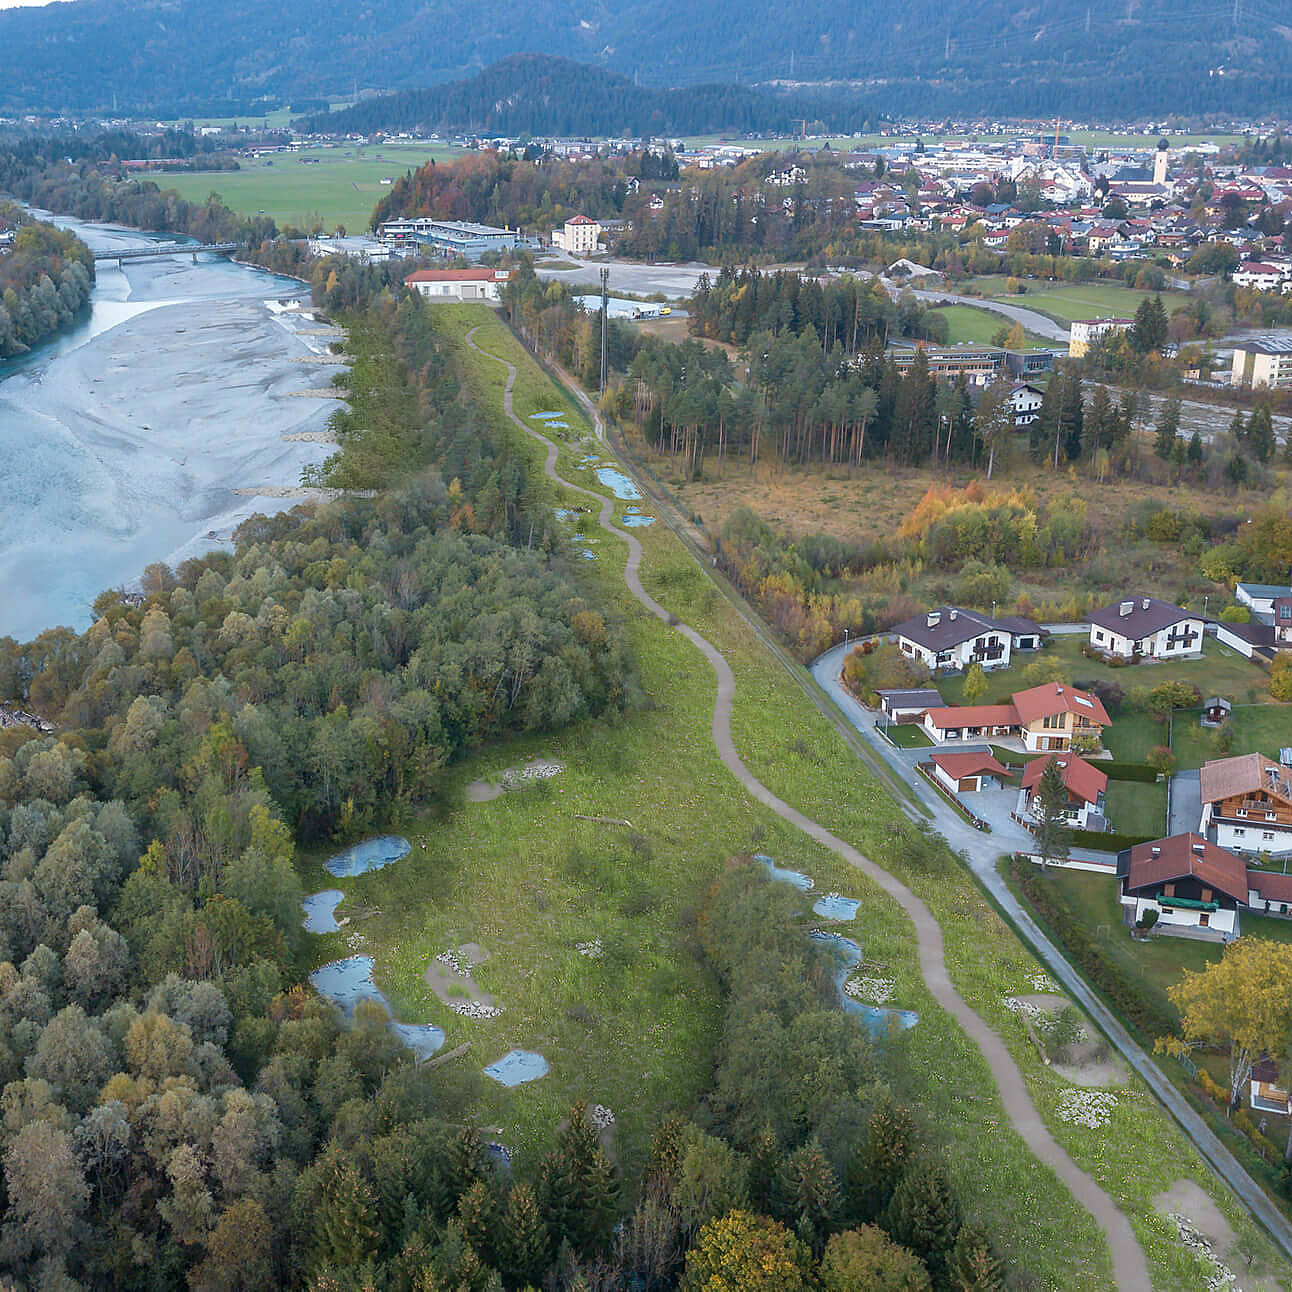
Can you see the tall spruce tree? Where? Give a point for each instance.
(1049, 814)
(1168, 427)
(523, 1240)
(576, 1187)
(1260, 434)
(923, 1216)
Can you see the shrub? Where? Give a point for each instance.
(1211, 1089)
(1148, 919)
(883, 668)
(1106, 840)
(1281, 677)
(1235, 615)
(1173, 695)
(1162, 759)
(1040, 671)
(1119, 771)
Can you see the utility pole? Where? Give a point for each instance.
(605, 308)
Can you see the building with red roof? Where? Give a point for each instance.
(452, 285)
(1084, 782)
(968, 772)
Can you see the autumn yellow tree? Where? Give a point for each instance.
(1241, 1001)
(741, 1252)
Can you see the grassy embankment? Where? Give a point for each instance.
(336, 186)
(526, 879)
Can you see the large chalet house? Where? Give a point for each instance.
(1145, 628)
(1247, 803)
(1084, 782)
(1045, 718)
(950, 639)
(1195, 886)
(1052, 716)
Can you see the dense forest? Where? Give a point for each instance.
(178, 1108)
(530, 94)
(926, 57)
(46, 277)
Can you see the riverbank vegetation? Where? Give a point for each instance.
(46, 276)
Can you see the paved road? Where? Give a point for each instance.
(1030, 319)
(1129, 1265)
(1186, 803)
(981, 855)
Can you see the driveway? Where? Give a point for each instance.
(980, 853)
(1186, 803)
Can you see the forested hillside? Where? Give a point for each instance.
(925, 56)
(45, 280)
(536, 94)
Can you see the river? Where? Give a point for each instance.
(144, 432)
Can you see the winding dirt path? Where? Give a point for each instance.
(1129, 1266)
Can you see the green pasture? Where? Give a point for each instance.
(327, 186)
(529, 877)
(1067, 302)
(979, 326)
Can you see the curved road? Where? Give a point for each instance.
(1129, 1266)
(1030, 319)
(981, 857)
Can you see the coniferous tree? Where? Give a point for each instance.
(1071, 421)
(1195, 450)
(1044, 431)
(523, 1238)
(1149, 331)
(923, 1216)
(973, 1266)
(878, 1164)
(1049, 810)
(1260, 434)
(1168, 427)
(345, 1218)
(806, 1192)
(577, 1188)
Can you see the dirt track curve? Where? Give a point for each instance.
(1129, 1266)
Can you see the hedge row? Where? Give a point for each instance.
(1106, 840)
(1122, 991)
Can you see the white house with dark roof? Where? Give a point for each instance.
(1146, 628)
(1259, 598)
(952, 639)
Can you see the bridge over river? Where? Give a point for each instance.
(159, 250)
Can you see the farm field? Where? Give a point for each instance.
(978, 326)
(1066, 302)
(340, 187)
(527, 879)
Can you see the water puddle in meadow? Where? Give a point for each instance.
(347, 982)
(618, 483)
(782, 876)
(319, 911)
(517, 1067)
(371, 854)
(834, 907)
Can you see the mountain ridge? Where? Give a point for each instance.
(934, 56)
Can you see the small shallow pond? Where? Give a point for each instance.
(782, 876)
(834, 907)
(618, 483)
(635, 520)
(517, 1067)
(371, 854)
(878, 1020)
(319, 911)
(546, 417)
(347, 982)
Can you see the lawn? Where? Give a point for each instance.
(979, 326)
(635, 1029)
(908, 735)
(1132, 735)
(1263, 728)
(1137, 807)
(1064, 303)
(341, 189)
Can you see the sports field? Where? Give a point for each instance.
(1066, 302)
(978, 326)
(327, 186)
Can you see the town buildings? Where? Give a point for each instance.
(1146, 628)
(1086, 332)
(451, 285)
(580, 236)
(1247, 804)
(1263, 361)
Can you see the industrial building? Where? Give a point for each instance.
(455, 237)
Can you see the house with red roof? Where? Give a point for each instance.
(1084, 782)
(454, 285)
(1052, 716)
(969, 772)
(1195, 886)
